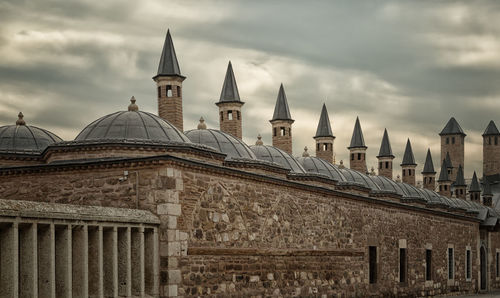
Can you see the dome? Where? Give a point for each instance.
(387, 184)
(317, 165)
(22, 138)
(221, 141)
(276, 155)
(132, 125)
(355, 176)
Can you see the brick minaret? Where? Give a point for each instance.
(357, 149)
(169, 85)
(429, 174)
(474, 189)
(459, 184)
(452, 142)
(408, 165)
(324, 137)
(444, 181)
(385, 157)
(487, 194)
(282, 123)
(230, 117)
(491, 150)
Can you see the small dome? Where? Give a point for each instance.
(22, 138)
(355, 176)
(221, 141)
(132, 125)
(317, 165)
(276, 155)
(387, 184)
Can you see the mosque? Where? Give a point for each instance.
(135, 206)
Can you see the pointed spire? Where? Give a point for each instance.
(447, 161)
(486, 188)
(132, 107)
(452, 128)
(305, 153)
(443, 176)
(429, 165)
(474, 185)
(460, 181)
(20, 120)
(357, 140)
(385, 147)
(169, 66)
(491, 129)
(202, 124)
(408, 157)
(229, 91)
(324, 128)
(281, 109)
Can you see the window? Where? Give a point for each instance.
(159, 91)
(440, 187)
(238, 115)
(489, 140)
(402, 265)
(409, 172)
(380, 165)
(229, 115)
(386, 164)
(290, 131)
(179, 94)
(404, 172)
(428, 264)
(498, 264)
(169, 90)
(282, 131)
(445, 187)
(372, 252)
(352, 155)
(359, 156)
(425, 180)
(430, 179)
(451, 264)
(318, 146)
(453, 140)
(221, 116)
(496, 140)
(447, 141)
(274, 131)
(468, 274)
(325, 147)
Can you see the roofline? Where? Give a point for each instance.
(452, 134)
(360, 147)
(230, 101)
(391, 156)
(331, 136)
(278, 119)
(169, 75)
(408, 164)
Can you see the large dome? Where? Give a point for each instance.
(317, 165)
(132, 125)
(278, 156)
(25, 139)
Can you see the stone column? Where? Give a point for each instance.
(28, 283)
(63, 261)
(8, 260)
(80, 261)
(124, 262)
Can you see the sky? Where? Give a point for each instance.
(407, 66)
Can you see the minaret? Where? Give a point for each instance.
(385, 157)
(487, 194)
(444, 181)
(408, 165)
(474, 189)
(230, 105)
(452, 142)
(449, 165)
(429, 174)
(282, 123)
(357, 149)
(324, 137)
(169, 85)
(459, 184)
(491, 150)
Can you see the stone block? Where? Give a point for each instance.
(174, 249)
(172, 290)
(174, 277)
(172, 222)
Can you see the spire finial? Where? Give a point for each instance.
(132, 106)
(305, 154)
(259, 140)
(202, 124)
(20, 121)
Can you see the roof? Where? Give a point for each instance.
(443, 176)
(276, 155)
(229, 91)
(408, 157)
(447, 161)
(357, 140)
(226, 143)
(429, 165)
(324, 128)
(385, 147)
(491, 129)
(314, 164)
(474, 185)
(355, 176)
(168, 61)
(452, 128)
(281, 109)
(460, 181)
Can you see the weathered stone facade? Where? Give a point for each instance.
(385, 166)
(169, 89)
(357, 159)
(230, 118)
(282, 134)
(491, 155)
(324, 148)
(453, 144)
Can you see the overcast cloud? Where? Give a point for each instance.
(407, 66)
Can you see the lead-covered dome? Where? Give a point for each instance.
(355, 176)
(131, 125)
(25, 139)
(276, 155)
(314, 164)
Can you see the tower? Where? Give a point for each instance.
(487, 194)
(169, 85)
(474, 189)
(229, 104)
(408, 165)
(324, 137)
(357, 149)
(444, 181)
(385, 157)
(429, 174)
(459, 184)
(282, 123)
(452, 142)
(491, 150)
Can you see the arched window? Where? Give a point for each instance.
(221, 116)
(229, 115)
(179, 93)
(282, 131)
(169, 90)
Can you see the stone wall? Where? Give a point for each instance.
(283, 142)
(231, 126)
(456, 151)
(491, 155)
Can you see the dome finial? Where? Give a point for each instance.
(202, 124)
(259, 140)
(133, 107)
(20, 121)
(372, 171)
(305, 154)
(341, 164)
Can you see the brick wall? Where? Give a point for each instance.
(456, 151)
(491, 155)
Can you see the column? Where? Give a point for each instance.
(124, 262)
(80, 261)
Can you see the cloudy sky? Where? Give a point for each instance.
(407, 66)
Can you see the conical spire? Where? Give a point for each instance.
(357, 140)
(447, 161)
(408, 157)
(281, 109)
(460, 181)
(443, 176)
(385, 147)
(486, 188)
(429, 165)
(20, 120)
(491, 129)
(324, 128)
(229, 91)
(452, 128)
(474, 185)
(169, 65)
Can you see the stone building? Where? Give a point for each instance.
(135, 206)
